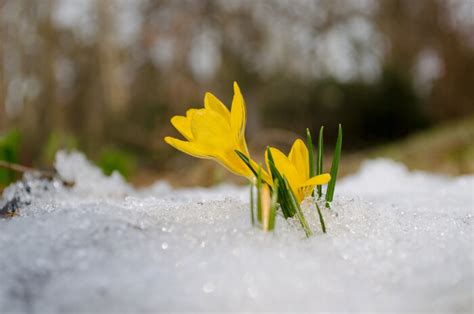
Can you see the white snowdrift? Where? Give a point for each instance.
(397, 241)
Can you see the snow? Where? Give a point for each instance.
(397, 241)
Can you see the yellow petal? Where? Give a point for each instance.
(213, 103)
(318, 180)
(307, 187)
(302, 193)
(189, 148)
(238, 116)
(285, 167)
(299, 157)
(233, 163)
(183, 125)
(212, 131)
(242, 146)
(190, 113)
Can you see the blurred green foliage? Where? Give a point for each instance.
(113, 159)
(9, 151)
(58, 140)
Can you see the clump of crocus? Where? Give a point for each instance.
(214, 132)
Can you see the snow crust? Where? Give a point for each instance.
(397, 241)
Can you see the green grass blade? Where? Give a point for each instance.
(334, 168)
(309, 143)
(321, 218)
(252, 204)
(283, 198)
(259, 195)
(273, 208)
(319, 164)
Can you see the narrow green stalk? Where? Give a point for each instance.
(273, 207)
(259, 195)
(309, 143)
(319, 164)
(321, 218)
(298, 210)
(252, 215)
(246, 160)
(319, 168)
(334, 168)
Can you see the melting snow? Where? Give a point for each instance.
(397, 241)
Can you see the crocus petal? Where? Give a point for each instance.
(232, 162)
(213, 103)
(183, 125)
(318, 180)
(189, 148)
(307, 187)
(285, 167)
(238, 116)
(212, 131)
(299, 157)
(265, 176)
(190, 113)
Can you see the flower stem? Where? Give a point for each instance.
(334, 168)
(259, 195)
(298, 210)
(252, 215)
(321, 218)
(319, 164)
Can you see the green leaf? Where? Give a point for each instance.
(273, 207)
(246, 160)
(252, 204)
(297, 208)
(283, 198)
(9, 151)
(334, 168)
(114, 159)
(319, 165)
(321, 218)
(259, 195)
(57, 140)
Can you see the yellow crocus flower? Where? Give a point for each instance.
(214, 132)
(295, 168)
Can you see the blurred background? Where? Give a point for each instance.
(105, 76)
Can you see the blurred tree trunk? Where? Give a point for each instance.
(50, 115)
(394, 18)
(111, 71)
(99, 84)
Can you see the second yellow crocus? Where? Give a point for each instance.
(295, 167)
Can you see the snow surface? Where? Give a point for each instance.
(397, 241)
